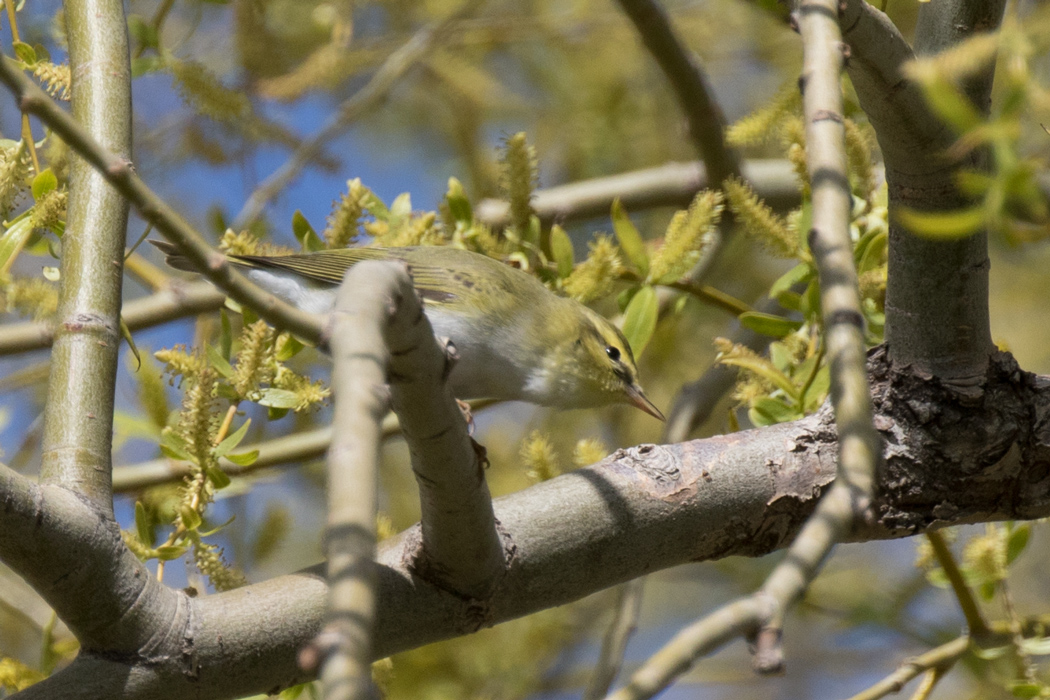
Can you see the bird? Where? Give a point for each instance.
(516, 340)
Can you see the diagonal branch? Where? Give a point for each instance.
(365, 99)
(120, 174)
(707, 124)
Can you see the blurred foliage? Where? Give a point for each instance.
(568, 93)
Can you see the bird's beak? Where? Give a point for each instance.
(637, 398)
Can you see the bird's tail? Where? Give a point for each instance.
(173, 256)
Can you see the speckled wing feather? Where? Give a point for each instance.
(434, 284)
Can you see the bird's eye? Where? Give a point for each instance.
(613, 353)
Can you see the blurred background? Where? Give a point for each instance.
(224, 94)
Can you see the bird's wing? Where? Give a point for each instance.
(434, 283)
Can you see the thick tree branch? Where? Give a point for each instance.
(949, 462)
(119, 173)
(76, 453)
(937, 293)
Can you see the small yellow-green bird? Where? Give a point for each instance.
(516, 339)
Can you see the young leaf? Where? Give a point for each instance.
(244, 459)
(143, 526)
(773, 411)
(630, 240)
(191, 519)
(639, 320)
(25, 53)
(561, 249)
(278, 398)
(799, 273)
(305, 234)
(944, 225)
(44, 183)
(232, 440)
(218, 478)
(458, 204)
(768, 324)
(218, 362)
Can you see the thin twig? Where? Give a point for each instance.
(972, 612)
(623, 625)
(119, 173)
(940, 659)
(368, 97)
(859, 443)
(375, 301)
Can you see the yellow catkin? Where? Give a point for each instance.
(687, 237)
(346, 215)
(858, 156)
(589, 451)
(202, 90)
(55, 77)
(538, 456)
(14, 169)
(254, 364)
(209, 561)
(759, 126)
(594, 277)
(760, 221)
(519, 178)
(29, 296)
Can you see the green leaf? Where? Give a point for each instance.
(943, 225)
(799, 273)
(458, 204)
(630, 240)
(400, 208)
(125, 333)
(765, 369)
(289, 349)
(143, 65)
(191, 519)
(1016, 542)
(950, 105)
(768, 324)
(44, 183)
(217, 477)
(278, 398)
(1026, 689)
(873, 253)
(305, 234)
(773, 410)
(232, 440)
(818, 390)
(12, 241)
(639, 320)
(143, 526)
(225, 335)
(42, 54)
(276, 413)
(244, 459)
(809, 304)
(173, 446)
(218, 362)
(561, 250)
(171, 551)
(25, 53)
(142, 31)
